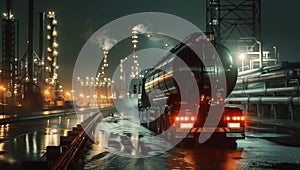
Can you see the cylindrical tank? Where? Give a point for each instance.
(203, 59)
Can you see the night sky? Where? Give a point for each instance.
(78, 20)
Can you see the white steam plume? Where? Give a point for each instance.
(141, 28)
(104, 41)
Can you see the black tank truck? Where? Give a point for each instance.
(171, 106)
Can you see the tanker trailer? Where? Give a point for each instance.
(177, 109)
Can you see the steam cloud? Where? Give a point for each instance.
(141, 28)
(104, 41)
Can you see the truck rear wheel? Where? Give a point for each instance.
(169, 131)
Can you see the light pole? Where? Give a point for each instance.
(260, 53)
(242, 57)
(260, 50)
(275, 53)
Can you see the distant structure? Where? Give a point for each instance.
(134, 67)
(237, 24)
(231, 19)
(31, 95)
(102, 84)
(52, 50)
(10, 56)
(105, 64)
(122, 79)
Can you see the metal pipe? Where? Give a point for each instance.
(281, 66)
(266, 100)
(268, 90)
(260, 54)
(275, 53)
(287, 74)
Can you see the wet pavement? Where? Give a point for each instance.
(120, 145)
(27, 140)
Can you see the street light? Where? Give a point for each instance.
(259, 48)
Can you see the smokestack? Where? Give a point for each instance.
(32, 99)
(134, 67)
(8, 7)
(105, 64)
(30, 44)
(41, 36)
(41, 44)
(122, 79)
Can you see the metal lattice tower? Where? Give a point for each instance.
(231, 19)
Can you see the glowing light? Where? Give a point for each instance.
(48, 27)
(51, 14)
(55, 45)
(233, 125)
(242, 56)
(55, 53)
(47, 92)
(54, 33)
(54, 22)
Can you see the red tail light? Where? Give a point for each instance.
(185, 118)
(234, 118)
(227, 118)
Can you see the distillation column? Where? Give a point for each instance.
(9, 72)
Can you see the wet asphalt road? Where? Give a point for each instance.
(120, 145)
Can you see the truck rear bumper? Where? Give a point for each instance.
(208, 129)
(237, 133)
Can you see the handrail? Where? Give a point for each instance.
(64, 161)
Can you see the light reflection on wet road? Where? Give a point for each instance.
(251, 153)
(27, 140)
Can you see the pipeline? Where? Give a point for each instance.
(266, 100)
(285, 74)
(266, 91)
(282, 66)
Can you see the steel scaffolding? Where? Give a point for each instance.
(231, 19)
